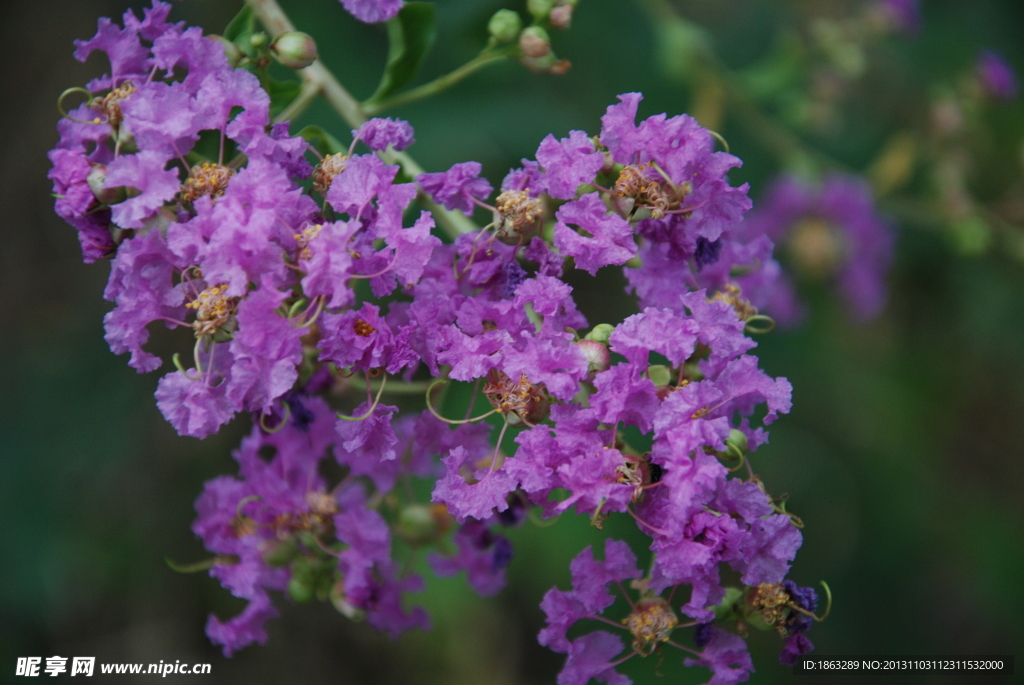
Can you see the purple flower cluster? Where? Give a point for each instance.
(996, 76)
(830, 232)
(260, 252)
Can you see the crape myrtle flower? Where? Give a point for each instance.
(903, 15)
(996, 77)
(830, 232)
(263, 267)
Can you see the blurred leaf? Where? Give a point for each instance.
(410, 35)
(779, 71)
(681, 44)
(322, 140)
(281, 94)
(972, 236)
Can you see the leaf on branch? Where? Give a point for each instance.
(410, 35)
(241, 27)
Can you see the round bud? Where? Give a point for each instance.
(600, 333)
(659, 374)
(737, 439)
(539, 8)
(598, 357)
(108, 196)
(341, 603)
(231, 51)
(299, 591)
(561, 17)
(534, 42)
(417, 525)
(279, 553)
(258, 40)
(295, 49)
(505, 25)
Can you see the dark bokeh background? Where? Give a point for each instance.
(903, 453)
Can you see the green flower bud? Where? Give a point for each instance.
(341, 604)
(299, 591)
(279, 554)
(597, 354)
(737, 439)
(539, 8)
(258, 40)
(108, 196)
(534, 42)
(231, 50)
(600, 333)
(659, 375)
(295, 49)
(505, 25)
(417, 525)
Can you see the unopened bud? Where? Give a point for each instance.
(659, 374)
(534, 42)
(539, 8)
(231, 51)
(299, 591)
(600, 333)
(258, 40)
(280, 554)
(505, 25)
(295, 49)
(561, 17)
(597, 354)
(417, 525)
(96, 179)
(737, 439)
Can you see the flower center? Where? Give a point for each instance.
(518, 213)
(305, 238)
(633, 183)
(522, 399)
(213, 309)
(732, 295)
(242, 525)
(363, 329)
(326, 170)
(816, 247)
(651, 622)
(111, 104)
(770, 599)
(206, 179)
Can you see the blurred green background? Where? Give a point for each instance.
(903, 454)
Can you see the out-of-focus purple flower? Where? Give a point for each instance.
(996, 76)
(377, 134)
(372, 11)
(831, 232)
(905, 15)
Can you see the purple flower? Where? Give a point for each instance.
(567, 164)
(482, 555)
(996, 76)
(456, 188)
(905, 15)
(604, 238)
(727, 657)
(244, 629)
(372, 11)
(377, 134)
(145, 173)
(590, 657)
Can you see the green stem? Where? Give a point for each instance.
(319, 79)
(304, 99)
(441, 82)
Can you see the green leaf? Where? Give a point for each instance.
(322, 140)
(410, 35)
(241, 26)
(281, 94)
